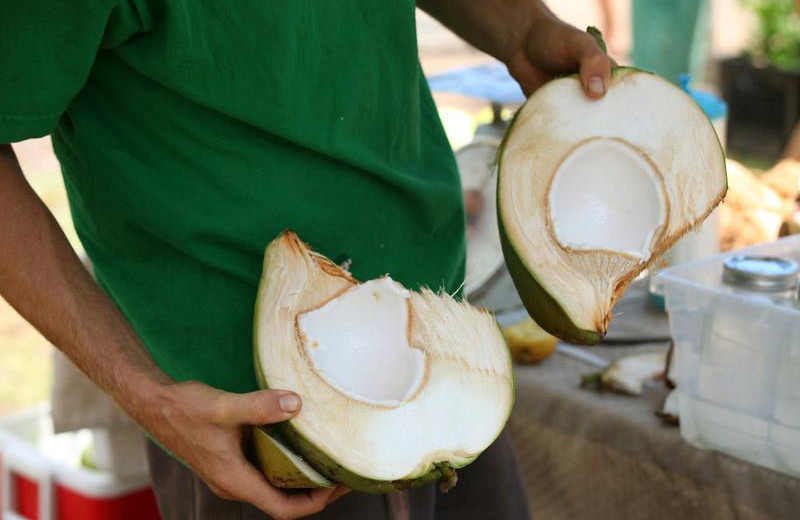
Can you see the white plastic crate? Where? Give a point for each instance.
(738, 360)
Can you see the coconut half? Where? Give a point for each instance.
(590, 192)
(399, 388)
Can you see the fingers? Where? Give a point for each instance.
(243, 482)
(594, 65)
(338, 493)
(558, 49)
(595, 73)
(527, 75)
(261, 407)
(277, 503)
(203, 426)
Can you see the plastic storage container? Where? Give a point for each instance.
(738, 361)
(42, 478)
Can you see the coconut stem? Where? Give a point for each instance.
(598, 37)
(449, 477)
(594, 380)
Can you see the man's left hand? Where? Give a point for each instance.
(525, 35)
(552, 48)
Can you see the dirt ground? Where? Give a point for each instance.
(25, 366)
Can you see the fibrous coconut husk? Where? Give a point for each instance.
(784, 178)
(753, 210)
(791, 226)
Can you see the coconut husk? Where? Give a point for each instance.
(753, 210)
(791, 226)
(784, 178)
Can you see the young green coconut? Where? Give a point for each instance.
(591, 192)
(399, 388)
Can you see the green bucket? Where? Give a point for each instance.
(671, 37)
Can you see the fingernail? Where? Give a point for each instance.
(596, 85)
(289, 402)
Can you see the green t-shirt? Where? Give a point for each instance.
(192, 132)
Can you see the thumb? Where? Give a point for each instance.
(263, 406)
(595, 67)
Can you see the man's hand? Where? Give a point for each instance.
(553, 48)
(205, 428)
(533, 43)
(41, 276)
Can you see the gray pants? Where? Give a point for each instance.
(491, 488)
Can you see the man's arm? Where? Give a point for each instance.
(526, 36)
(41, 276)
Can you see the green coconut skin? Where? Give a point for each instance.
(335, 471)
(541, 305)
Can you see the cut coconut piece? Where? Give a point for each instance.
(592, 191)
(282, 467)
(399, 388)
(629, 374)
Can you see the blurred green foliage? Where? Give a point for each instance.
(777, 37)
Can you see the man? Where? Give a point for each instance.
(190, 133)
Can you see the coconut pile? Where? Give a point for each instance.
(759, 206)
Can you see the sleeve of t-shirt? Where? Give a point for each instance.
(47, 49)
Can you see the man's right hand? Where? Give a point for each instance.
(204, 427)
(43, 279)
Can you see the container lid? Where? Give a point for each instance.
(714, 107)
(760, 273)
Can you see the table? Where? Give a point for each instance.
(598, 455)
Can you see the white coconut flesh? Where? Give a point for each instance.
(606, 196)
(354, 338)
(591, 191)
(393, 382)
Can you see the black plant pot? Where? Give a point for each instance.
(763, 108)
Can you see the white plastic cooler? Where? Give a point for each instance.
(42, 477)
